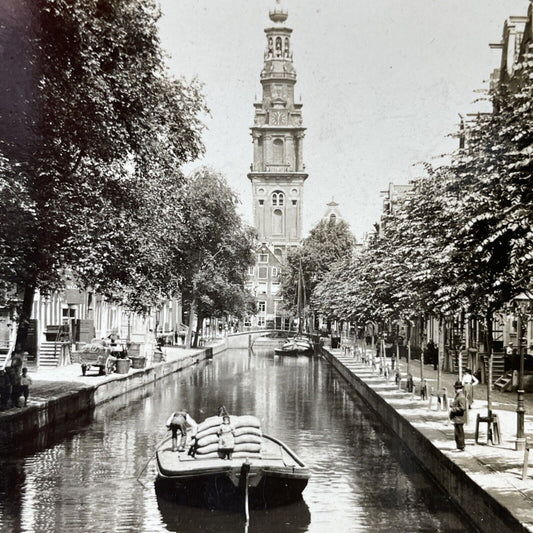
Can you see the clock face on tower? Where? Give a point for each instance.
(278, 118)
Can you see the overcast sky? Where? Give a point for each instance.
(382, 83)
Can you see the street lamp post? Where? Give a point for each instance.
(522, 305)
(520, 409)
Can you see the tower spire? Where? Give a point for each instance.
(278, 172)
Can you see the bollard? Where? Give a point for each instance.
(409, 384)
(423, 390)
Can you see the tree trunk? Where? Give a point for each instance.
(24, 317)
(409, 331)
(199, 324)
(488, 324)
(422, 345)
(440, 352)
(192, 313)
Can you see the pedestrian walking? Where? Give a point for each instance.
(5, 389)
(424, 390)
(469, 382)
(432, 353)
(65, 339)
(458, 415)
(14, 376)
(25, 382)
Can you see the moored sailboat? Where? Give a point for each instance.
(300, 344)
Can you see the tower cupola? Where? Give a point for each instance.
(278, 14)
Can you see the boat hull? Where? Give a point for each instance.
(217, 490)
(295, 347)
(293, 352)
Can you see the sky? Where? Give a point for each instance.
(382, 84)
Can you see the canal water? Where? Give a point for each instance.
(82, 478)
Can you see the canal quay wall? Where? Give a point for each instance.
(494, 500)
(62, 394)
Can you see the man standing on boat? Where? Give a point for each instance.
(180, 421)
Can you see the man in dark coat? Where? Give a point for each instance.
(5, 390)
(458, 415)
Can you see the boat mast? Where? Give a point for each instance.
(301, 299)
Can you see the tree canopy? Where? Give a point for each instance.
(462, 238)
(98, 184)
(217, 248)
(328, 242)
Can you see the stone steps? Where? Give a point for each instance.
(49, 353)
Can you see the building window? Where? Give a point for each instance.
(263, 258)
(262, 287)
(277, 222)
(278, 198)
(261, 202)
(261, 321)
(274, 289)
(261, 306)
(251, 271)
(277, 155)
(263, 272)
(294, 202)
(275, 271)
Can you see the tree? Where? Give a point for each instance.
(108, 130)
(328, 242)
(217, 249)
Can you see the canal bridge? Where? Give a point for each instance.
(244, 339)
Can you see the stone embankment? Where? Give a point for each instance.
(63, 393)
(484, 481)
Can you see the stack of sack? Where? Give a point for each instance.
(247, 437)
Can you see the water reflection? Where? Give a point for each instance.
(82, 477)
(291, 518)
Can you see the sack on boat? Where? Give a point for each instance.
(210, 455)
(248, 438)
(207, 449)
(248, 430)
(247, 447)
(242, 455)
(245, 420)
(210, 422)
(242, 424)
(206, 440)
(235, 455)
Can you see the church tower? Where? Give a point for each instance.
(278, 172)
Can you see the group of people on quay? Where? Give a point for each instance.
(181, 423)
(14, 383)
